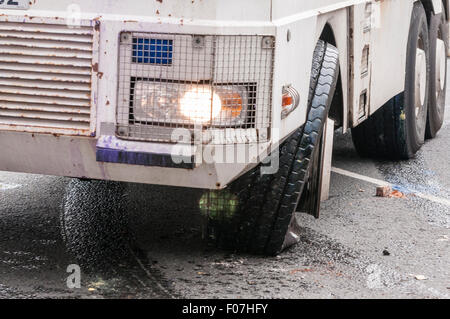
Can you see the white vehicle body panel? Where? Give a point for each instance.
(64, 152)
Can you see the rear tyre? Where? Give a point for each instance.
(255, 213)
(438, 74)
(397, 130)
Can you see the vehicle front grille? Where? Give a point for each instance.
(159, 72)
(45, 77)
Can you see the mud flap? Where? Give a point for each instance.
(318, 185)
(317, 189)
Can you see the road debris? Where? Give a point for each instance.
(293, 272)
(420, 277)
(4, 186)
(388, 192)
(383, 191)
(397, 194)
(98, 284)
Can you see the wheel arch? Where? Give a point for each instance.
(445, 7)
(339, 106)
(435, 6)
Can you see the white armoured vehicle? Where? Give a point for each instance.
(238, 97)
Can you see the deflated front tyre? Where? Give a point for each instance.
(256, 213)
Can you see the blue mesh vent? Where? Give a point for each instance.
(152, 51)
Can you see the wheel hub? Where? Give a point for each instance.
(421, 80)
(441, 56)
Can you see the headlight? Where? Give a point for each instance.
(201, 105)
(177, 103)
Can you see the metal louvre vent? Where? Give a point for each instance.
(45, 77)
(222, 84)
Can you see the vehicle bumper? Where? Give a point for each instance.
(77, 157)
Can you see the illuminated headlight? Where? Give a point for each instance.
(177, 103)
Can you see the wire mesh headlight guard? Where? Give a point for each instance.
(217, 82)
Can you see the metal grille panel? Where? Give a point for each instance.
(45, 77)
(221, 84)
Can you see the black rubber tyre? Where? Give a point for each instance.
(436, 105)
(253, 215)
(94, 223)
(394, 131)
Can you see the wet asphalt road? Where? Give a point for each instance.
(362, 247)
